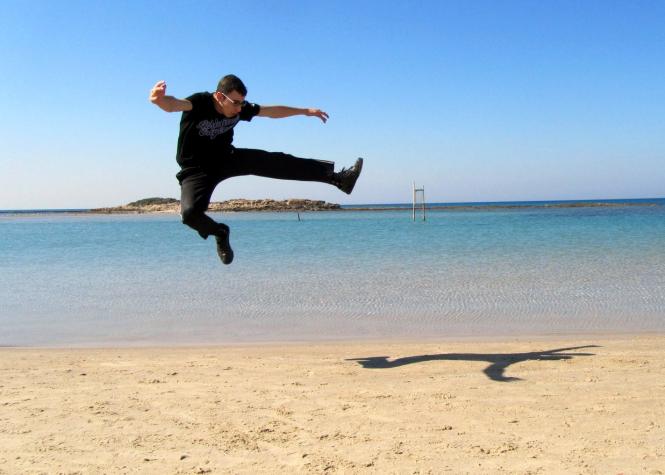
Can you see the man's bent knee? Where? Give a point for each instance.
(195, 219)
(189, 215)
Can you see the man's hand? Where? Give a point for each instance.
(317, 113)
(167, 103)
(158, 92)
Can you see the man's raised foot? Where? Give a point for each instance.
(346, 178)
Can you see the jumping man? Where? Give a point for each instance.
(207, 157)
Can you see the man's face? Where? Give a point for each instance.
(230, 103)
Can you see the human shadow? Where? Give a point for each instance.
(498, 362)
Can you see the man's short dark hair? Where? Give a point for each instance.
(230, 83)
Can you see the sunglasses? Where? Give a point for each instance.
(233, 103)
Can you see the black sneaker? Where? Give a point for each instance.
(346, 179)
(224, 250)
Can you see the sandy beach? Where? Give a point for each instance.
(592, 404)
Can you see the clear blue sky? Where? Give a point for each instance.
(475, 100)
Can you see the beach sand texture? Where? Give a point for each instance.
(532, 405)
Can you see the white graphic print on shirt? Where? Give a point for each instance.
(213, 128)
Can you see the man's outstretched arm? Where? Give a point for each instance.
(167, 103)
(279, 112)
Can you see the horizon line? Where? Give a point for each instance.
(22, 210)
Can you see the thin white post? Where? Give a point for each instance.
(414, 201)
(423, 190)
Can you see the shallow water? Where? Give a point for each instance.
(81, 279)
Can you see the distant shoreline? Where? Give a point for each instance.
(302, 205)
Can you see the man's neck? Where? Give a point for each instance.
(217, 106)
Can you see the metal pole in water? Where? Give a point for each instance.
(414, 201)
(423, 190)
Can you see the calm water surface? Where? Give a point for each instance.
(71, 279)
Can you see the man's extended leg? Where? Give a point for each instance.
(247, 161)
(196, 187)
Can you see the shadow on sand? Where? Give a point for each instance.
(498, 362)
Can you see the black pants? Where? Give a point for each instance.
(197, 184)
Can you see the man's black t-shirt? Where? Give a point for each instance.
(205, 134)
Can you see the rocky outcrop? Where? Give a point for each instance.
(272, 205)
(171, 205)
(153, 202)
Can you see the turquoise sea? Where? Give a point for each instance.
(81, 279)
